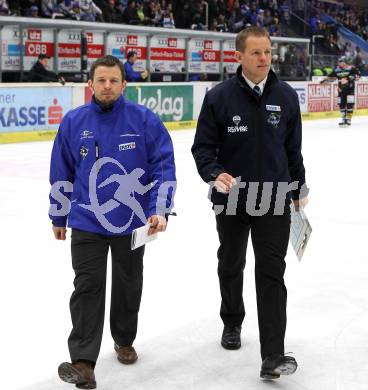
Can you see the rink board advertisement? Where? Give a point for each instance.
(204, 56)
(172, 103)
(228, 52)
(320, 97)
(178, 104)
(321, 100)
(44, 111)
(120, 44)
(69, 49)
(36, 41)
(167, 54)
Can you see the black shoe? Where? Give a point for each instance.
(277, 364)
(343, 123)
(348, 122)
(231, 337)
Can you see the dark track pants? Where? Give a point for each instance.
(87, 303)
(270, 236)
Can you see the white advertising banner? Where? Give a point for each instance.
(69, 49)
(36, 41)
(167, 54)
(120, 44)
(204, 56)
(228, 50)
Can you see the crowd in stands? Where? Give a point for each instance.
(141, 12)
(233, 15)
(352, 17)
(223, 15)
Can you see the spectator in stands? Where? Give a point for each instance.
(33, 12)
(39, 72)
(199, 17)
(130, 73)
(236, 20)
(358, 60)
(4, 8)
(222, 25)
(268, 19)
(140, 13)
(284, 12)
(89, 11)
(315, 24)
(14, 7)
(56, 9)
(168, 20)
(182, 14)
(27, 4)
(131, 14)
(275, 28)
(331, 45)
(111, 14)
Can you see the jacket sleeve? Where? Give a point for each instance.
(130, 74)
(206, 144)
(161, 166)
(293, 147)
(61, 177)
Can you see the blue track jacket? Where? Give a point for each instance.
(130, 73)
(143, 159)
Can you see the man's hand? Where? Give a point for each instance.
(224, 182)
(59, 232)
(300, 204)
(144, 74)
(158, 224)
(62, 80)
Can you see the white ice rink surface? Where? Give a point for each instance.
(179, 331)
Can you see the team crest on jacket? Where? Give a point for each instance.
(274, 119)
(83, 151)
(237, 128)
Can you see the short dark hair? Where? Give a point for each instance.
(109, 61)
(252, 31)
(43, 56)
(131, 54)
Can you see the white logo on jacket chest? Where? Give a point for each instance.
(127, 146)
(237, 128)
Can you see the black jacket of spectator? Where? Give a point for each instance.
(131, 15)
(39, 73)
(111, 14)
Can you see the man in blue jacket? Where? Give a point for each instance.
(112, 171)
(130, 73)
(248, 145)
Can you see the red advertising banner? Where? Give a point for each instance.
(69, 50)
(229, 56)
(167, 54)
(34, 49)
(210, 56)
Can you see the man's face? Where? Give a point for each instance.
(44, 62)
(256, 58)
(107, 84)
(133, 59)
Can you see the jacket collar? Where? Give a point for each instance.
(116, 107)
(271, 79)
